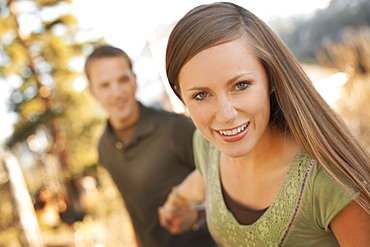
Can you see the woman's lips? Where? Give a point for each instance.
(234, 135)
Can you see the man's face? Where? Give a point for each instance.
(113, 84)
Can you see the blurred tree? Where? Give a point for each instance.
(39, 50)
(41, 58)
(338, 37)
(305, 34)
(8, 216)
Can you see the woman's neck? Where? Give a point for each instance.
(255, 179)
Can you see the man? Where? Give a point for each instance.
(146, 151)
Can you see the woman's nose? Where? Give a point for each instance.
(226, 111)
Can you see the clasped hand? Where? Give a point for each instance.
(177, 215)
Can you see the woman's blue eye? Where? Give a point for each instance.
(242, 85)
(200, 96)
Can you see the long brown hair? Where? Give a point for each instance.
(296, 106)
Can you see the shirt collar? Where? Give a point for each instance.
(146, 126)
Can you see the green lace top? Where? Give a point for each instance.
(299, 216)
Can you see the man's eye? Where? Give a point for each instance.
(200, 96)
(242, 85)
(125, 79)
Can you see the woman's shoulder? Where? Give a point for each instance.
(326, 195)
(200, 143)
(201, 148)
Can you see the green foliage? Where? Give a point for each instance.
(40, 58)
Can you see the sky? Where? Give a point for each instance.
(128, 24)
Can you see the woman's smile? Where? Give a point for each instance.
(233, 132)
(234, 135)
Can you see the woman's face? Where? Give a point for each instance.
(225, 89)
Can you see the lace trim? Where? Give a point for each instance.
(298, 203)
(273, 226)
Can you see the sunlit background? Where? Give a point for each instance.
(130, 25)
(52, 192)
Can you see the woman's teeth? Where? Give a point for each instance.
(233, 131)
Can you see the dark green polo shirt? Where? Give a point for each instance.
(156, 158)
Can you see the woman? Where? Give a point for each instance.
(280, 167)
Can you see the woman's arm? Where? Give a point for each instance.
(193, 187)
(352, 226)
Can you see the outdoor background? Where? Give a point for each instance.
(52, 190)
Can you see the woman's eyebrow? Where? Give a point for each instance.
(235, 78)
(230, 81)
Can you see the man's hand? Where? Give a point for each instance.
(177, 215)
